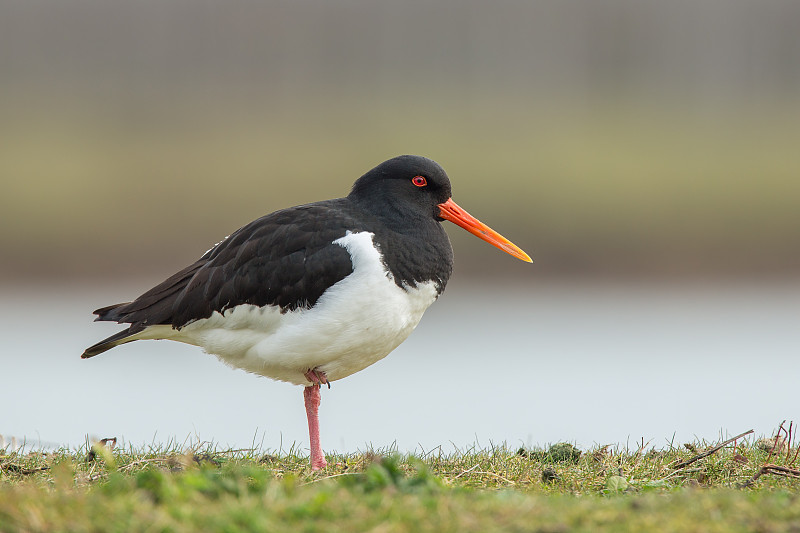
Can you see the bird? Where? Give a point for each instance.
(314, 293)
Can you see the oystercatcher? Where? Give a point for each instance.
(314, 293)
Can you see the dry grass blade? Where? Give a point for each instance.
(467, 471)
(687, 462)
(333, 476)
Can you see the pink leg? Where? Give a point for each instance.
(312, 397)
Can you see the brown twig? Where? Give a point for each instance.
(109, 443)
(21, 470)
(781, 470)
(706, 453)
(794, 459)
(771, 469)
(791, 433)
(784, 437)
(777, 439)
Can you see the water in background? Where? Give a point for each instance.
(587, 363)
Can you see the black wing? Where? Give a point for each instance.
(286, 259)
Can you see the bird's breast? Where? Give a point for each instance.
(356, 322)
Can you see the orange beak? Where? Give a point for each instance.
(452, 212)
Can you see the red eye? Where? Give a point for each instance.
(419, 181)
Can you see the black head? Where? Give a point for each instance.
(404, 186)
(410, 192)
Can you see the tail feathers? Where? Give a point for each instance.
(153, 308)
(110, 313)
(114, 340)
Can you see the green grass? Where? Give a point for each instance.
(205, 488)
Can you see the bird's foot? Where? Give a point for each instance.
(317, 377)
(318, 463)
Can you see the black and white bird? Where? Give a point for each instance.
(314, 293)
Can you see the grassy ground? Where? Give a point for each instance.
(560, 489)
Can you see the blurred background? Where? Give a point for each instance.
(644, 153)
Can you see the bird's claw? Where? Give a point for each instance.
(317, 377)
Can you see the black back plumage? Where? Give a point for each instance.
(289, 259)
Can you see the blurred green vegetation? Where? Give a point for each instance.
(616, 186)
(607, 137)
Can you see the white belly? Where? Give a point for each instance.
(355, 323)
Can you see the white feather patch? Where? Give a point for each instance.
(355, 323)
